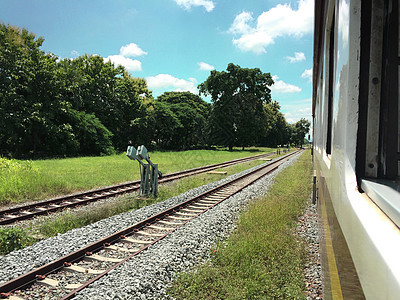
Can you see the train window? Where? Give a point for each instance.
(379, 108)
(330, 86)
(389, 129)
(378, 149)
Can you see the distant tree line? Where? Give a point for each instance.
(86, 106)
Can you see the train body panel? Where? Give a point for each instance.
(347, 140)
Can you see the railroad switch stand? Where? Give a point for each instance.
(284, 147)
(149, 173)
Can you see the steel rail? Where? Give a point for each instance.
(30, 277)
(11, 215)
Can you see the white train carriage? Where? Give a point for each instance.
(356, 151)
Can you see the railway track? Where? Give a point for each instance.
(58, 279)
(12, 215)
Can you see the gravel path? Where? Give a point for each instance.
(307, 229)
(146, 275)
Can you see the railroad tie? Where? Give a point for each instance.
(40, 209)
(199, 204)
(224, 195)
(169, 223)
(161, 228)
(121, 249)
(150, 234)
(179, 218)
(73, 286)
(217, 196)
(25, 212)
(15, 298)
(207, 202)
(8, 216)
(102, 258)
(54, 205)
(197, 211)
(186, 214)
(79, 269)
(133, 241)
(197, 207)
(48, 282)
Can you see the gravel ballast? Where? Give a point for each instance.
(146, 275)
(307, 229)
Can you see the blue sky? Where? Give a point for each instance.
(175, 43)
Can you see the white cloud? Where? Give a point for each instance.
(240, 25)
(187, 4)
(296, 110)
(123, 59)
(74, 53)
(302, 113)
(205, 66)
(280, 20)
(282, 87)
(255, 42)
(131, 50)
(344, 22)
(167, 81)
(298, 56)
(130, 64)
(307, 74)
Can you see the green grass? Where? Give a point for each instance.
(13, 239)
(69, 221)
(262, 259)
(42, 179)
(178, 187)
(20, 180)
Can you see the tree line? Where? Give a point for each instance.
(53, 107)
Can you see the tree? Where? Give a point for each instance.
(166, 123)
(276, 127)
(238, 95)
(111, 94)
(37, 116)
(192, 113)
(30, 102)
(302, 127)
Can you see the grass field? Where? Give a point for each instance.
(262, 259)
(35, 180)
(17, 238)
(128, 202)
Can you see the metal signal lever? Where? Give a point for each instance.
(149, 174)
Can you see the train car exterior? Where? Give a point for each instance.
(356, 146)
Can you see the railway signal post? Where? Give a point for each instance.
(149, 172)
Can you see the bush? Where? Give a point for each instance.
(14, 177)
(13, 239)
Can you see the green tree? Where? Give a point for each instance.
(276, 127)
(110, 93)
(192, 113)
(29, 95)
(238, 95)
(301, 128)
(165, 125)
(36, 115)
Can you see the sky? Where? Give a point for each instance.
(174, 44)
